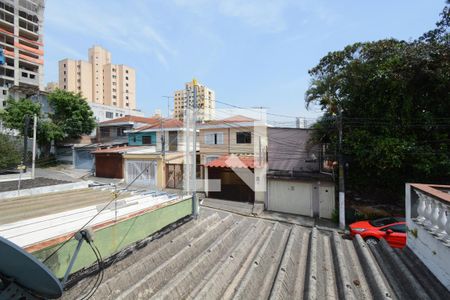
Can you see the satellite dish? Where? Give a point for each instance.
(22, 276)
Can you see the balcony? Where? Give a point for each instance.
(428, 220)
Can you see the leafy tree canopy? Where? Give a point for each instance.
(71, 113)
(395, 101)
(10, 155)
(71, 117)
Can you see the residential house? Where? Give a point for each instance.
(113, 131)
(148, 160)
(109, 133)
(295, 183)
(232, 152)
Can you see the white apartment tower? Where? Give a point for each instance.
(21, 26)
(99, 80)
(206, 101)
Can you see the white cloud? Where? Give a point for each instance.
(109, 24)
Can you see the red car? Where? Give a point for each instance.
(392, 229)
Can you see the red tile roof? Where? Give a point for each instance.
(115, 149)
(233, 161)
(233, 119)
(135, 119)
(167, 123)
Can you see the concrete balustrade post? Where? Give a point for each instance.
(434, 216)
(442, 220)
(428, 212)
(421, 207)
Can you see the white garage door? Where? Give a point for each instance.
(290, 197)
(141, 172)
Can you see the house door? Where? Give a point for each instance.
(143, 172)
(174, 177)
(326, 202)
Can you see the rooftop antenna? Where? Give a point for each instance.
(24, 277)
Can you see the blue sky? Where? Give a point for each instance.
(251, 52)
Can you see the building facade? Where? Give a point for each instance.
(206, 101)
(21, 26)
(99, 80)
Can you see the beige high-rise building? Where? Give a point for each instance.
(206, 101)
(99, 80)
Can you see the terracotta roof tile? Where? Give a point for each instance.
(135, 119)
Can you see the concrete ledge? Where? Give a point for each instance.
(14, 177)
(45, 190)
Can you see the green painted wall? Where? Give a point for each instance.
(114, 238)
(135, 139)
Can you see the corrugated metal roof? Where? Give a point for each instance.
(227, 256)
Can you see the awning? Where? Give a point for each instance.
(233, 161)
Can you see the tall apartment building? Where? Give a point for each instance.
(99, 80)
(21, 26)
(206, 101)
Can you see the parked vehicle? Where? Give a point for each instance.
(392, 229)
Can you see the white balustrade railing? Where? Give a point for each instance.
(434, 215)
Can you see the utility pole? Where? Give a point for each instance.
(195, 206)
(34, 146)
(341, 174)
(168, 105)
(25, 138)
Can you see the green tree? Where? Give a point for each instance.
(14, 114)
(10, 156)
(70, 118)
(395, 98)
(71, 113)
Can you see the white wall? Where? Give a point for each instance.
(431, 251)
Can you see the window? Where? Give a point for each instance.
(120, 131)
(147, 140)
(126, 77)
(396, 228)
(114, 96)
(214, 138)
(127, 104)
(24, 74)
(115, 103)
(126, 84)
(4, 92)
(210, 158)
(104, 131)
(126, 97)
(109, 114)
(126, 71)
(243, 137)
(64, 72)
(126, 91)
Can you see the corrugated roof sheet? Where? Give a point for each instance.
(227, 256)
